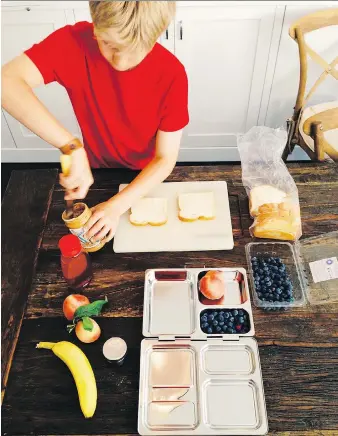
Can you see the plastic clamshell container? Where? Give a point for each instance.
(298, 258)
(285, 251)
(192, 382)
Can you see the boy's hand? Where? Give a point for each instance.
(103, 223)
(80, 178)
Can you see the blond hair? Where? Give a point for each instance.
(137, 23)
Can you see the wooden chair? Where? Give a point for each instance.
(315, 128)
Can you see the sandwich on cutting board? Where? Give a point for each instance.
(192, 207)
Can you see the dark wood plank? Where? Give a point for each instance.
(304, 173)
(299, 382)
(24, 212)
(121, 278)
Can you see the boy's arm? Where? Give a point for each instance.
(167, 148)
(106, 214)
(19, 77)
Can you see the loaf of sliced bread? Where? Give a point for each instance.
(196, 205)
(152, 211)
(264, 194)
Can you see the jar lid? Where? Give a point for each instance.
(70, 245)
(114, 349)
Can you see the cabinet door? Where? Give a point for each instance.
(166, 39)
(225, 50)
(21, 28)
(7, 141)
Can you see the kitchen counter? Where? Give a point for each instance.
(298, 349)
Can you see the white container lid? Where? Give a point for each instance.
(114, 348)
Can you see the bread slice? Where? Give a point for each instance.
(264, 194)
(196, 206)
(152, 211)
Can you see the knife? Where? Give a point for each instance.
(66, 162)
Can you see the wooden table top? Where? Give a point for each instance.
(298, 349)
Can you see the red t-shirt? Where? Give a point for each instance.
(119, 112)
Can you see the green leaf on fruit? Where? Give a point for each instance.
(89, 310)
(87, 324)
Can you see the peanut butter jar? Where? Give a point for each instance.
(76, 223)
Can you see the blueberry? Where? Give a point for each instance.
(221, 313)
(205, 325)
(209, 331)
(230, 324)
(233, 331)
(268, 283)
(210, 317)
(240, 312)
(254, 259)
(241, 320)
(231, 319)
(235, 312)
(215, 323)
(221, 323)
(226, 315)
(278, 290)
(260, 271)
(215, 314)
(221, 318)
(204, 318)
(218, 329)
(224, 328)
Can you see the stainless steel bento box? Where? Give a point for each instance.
(192, 382)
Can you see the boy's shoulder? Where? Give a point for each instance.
(166, 59)
(82, 30)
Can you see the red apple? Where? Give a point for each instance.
(212, 285)
(71, 303)
(85, 335)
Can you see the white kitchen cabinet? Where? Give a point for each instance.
(21, 28)
(226, 52)
(166, 39)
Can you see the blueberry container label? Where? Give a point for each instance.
(324, 269)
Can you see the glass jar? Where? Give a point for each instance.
(75, 263)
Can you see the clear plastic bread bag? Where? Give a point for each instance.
(272, 192)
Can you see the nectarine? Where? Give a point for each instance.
(212, 285)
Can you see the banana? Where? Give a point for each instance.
(81, 370)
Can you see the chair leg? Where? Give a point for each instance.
(290, 143)
(317, 135)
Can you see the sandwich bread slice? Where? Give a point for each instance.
(264, 194)
(152, 211)
(196, 206)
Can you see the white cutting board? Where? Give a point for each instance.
(176, 235)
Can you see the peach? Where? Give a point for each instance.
(212, 285)
(71, 303)
(85, 335)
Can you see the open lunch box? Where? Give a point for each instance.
(192, 381)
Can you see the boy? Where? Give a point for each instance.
(129, 95)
